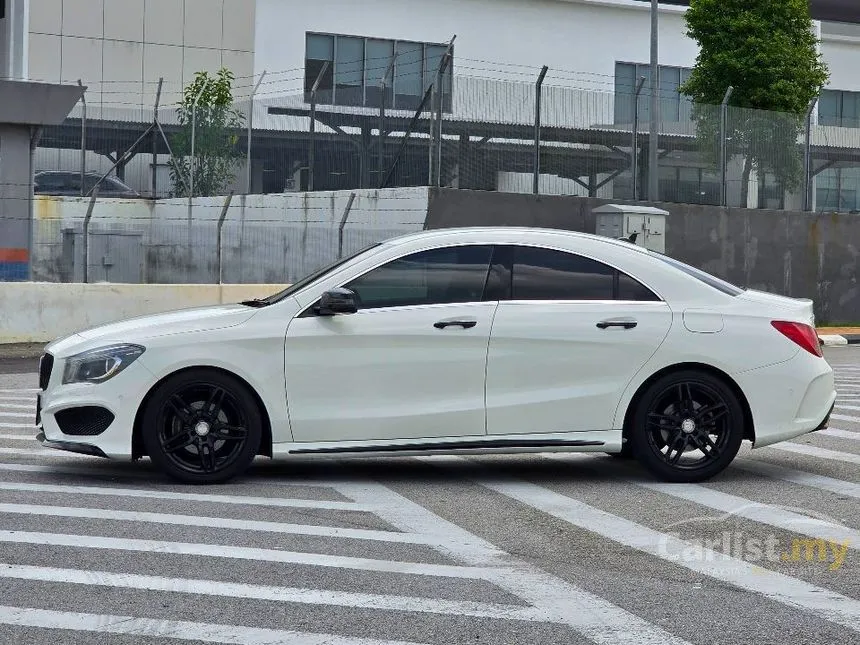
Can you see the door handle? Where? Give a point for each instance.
(465, 324)
(626, 323)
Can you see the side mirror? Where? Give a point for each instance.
(335, 302)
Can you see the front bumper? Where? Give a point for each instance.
(71, 446)
(121, 396)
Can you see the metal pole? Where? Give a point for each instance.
(436, 119)
(653, 161)
(724, 151)
(87, 218)
(251, 131)
(155, 140)
(383, 86)
(220, 228)
(407, 134)
(634, 163)
(538, 96)
(312, 149)
(807, 158)
(343, 225)
(83, 137)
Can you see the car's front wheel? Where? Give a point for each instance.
(202, 427)
(688, 427)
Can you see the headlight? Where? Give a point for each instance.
(99, 365)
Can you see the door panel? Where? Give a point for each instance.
(391, 373)
(551, 368)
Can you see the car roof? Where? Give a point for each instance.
(511, 234)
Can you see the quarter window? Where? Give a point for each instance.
(545, 274)
(439, 276)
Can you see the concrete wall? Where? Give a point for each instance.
(793, 253)
(265, 239)
(41, 312)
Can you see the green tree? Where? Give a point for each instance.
(766, 50)
(213, 125)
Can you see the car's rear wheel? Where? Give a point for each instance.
(688, 427)
(202, 427)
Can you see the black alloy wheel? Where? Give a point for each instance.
(202, 427)
(688, 427)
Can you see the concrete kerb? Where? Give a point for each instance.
(839, 340)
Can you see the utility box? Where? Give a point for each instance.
(620, 221)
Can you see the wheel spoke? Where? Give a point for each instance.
(662, 420)
(707, 445)
(207, 456)
(679, 450)
(213, 405)
(181, 410)
(231, 433)
(178, 442)
(712, 413)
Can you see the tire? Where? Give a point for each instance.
(688, 427)
(202, 427)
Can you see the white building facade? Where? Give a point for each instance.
(595, 50)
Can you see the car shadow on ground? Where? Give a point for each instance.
(596, 468)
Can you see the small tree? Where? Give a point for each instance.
(213, 126)
(766, 50)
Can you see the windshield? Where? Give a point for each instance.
(710, 280)
(313, 277)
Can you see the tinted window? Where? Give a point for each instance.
(439, 276)
(631, 289)
(543, 274)
(707, 278)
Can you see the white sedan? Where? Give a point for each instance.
(454, 341)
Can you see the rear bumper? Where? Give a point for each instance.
(789, 399)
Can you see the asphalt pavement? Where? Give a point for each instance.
(535, 549)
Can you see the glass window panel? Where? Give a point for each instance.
(670, 99)
(544, 274)
(631, 289)
(645, 97)
(320, 49)
(829, 108)
(440, 276)
(851, 109)
(827, 189)
(408, 73)
(349, 71)
(625, 86)
(379, 56)
(432, 58)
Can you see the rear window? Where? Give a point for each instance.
(710, 280)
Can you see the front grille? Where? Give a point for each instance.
(46, 365)
(87, 421)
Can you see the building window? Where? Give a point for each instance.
(838, 189)
(674, 107)
(356, 67)
(839, 108)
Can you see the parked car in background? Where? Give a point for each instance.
(68, 183)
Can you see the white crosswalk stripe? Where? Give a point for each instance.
(776, 586)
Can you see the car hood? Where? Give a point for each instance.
(143, 327)
(800, 307)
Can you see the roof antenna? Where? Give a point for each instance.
(631, 239)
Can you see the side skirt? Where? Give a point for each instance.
(599, 441)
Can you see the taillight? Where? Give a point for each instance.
(803, 335)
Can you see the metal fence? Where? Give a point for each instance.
(285, 154)
(550, 134)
